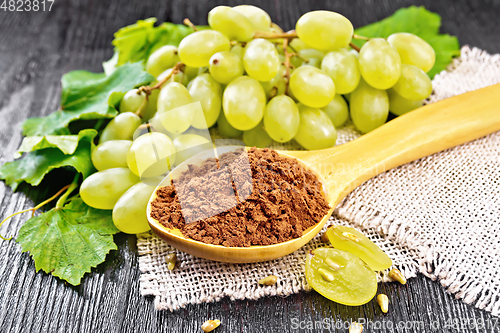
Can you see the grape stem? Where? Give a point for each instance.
(354, 46)
(272, 35)
(190, 24)
(142, 107)
(179, 67)
(43, 203)
(360, 37)
(71, 187)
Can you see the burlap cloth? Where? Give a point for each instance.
(438, 216)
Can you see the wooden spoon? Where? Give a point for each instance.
(428, 130)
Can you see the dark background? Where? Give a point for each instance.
(37, 48)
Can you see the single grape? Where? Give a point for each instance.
(316, 130)
(196, 49)
(225, 128)
(298, 44)
(350, 240)
(129, 213)
(151, 155)
(162, 59)
(369, 107)
(379, 63)
(337, 110)
(312, 87)
(102, 189)
(152, 106)
(277, 85)
(413, 50)
(244, 101)
(238, 49)
(121, 127)
(324, 30)
(307, 56)
(132, 101)
(174, 118)
(261, 60)
(231, 23)
(188, 145)
(343, 67)
(340, 276)
(177, 77)
(260, 20)
(413, 84)
(399, 105)
(208, 92)
(257, 137)
(281, 118)
(110, 154)
(190, 72)
(225, 66)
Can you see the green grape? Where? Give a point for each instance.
(277, 85)
(324, 30)
(281, 118)
(413, 50)
(152, 106)
(257, 137)
(307, 56)
(121, 127)
(340, 276)
(132, 101)
(258, 17)
(208, 92)
(298, 44)
(244, 101)
(190, 72)
(102, 189)
(196, 49)
(129, 213)
(225, 66)
(177, 77)
(239, 50)
(225, 128)
(379, 63)
(399, 105)
(162, 59)
(369, 107)
(174, 118)
(337, 110)
(316, 130)
(110, 154)
(413, 84)
(343, 67)
(151, 154)
(188, 145)
(312, 87)
(261, 60)
(350, 240)
(233, 24)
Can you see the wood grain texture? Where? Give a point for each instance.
(37, 48)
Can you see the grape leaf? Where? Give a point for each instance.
(134, 43)
(67, 242)
(87, 95)
(33, 167)
(421, 22)
(65, 143)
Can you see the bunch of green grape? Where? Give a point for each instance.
(255, 83)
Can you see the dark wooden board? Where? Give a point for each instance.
(37, 48)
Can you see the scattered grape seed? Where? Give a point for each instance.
(171, 260)
(396, 275)
(383, 302)
(355, 327)
(210, 325)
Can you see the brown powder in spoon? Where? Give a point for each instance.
(279, 202)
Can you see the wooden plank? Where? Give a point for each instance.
(37, 48)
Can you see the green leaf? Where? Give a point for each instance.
(421, 22)
(86, 96)
(67, 242)
(136, 42)
(33, 167)
(65, 143)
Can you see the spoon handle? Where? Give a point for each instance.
(428, 130)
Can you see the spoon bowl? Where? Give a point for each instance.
(425, 131)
